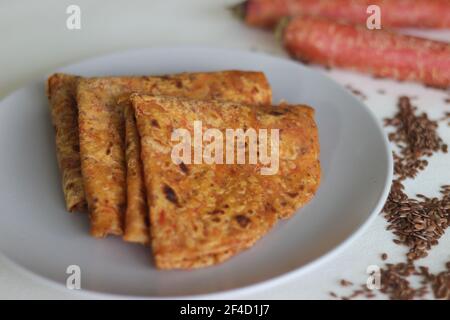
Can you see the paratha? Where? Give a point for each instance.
(61, 90)
(136, 215)
(101, 124)
(202, 214)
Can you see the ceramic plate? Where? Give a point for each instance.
(38, 236)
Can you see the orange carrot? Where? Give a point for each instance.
(394, 13)
(378, 52)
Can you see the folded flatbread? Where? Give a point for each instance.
(61, 90)
(102, 132)
(202, 214)
(254, 90)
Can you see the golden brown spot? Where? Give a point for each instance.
(184, 168)
(242, 220)
(155, 123)
(170, 194)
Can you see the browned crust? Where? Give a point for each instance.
(61, 89)
(102, 130)
(136, 215)
(297, 180)
(206, 213)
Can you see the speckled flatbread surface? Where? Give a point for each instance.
(102, 130)
(202, 214)
(61, 90)
(254, 91)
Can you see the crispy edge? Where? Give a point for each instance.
(61, 90)
(136, 215)
(101, 156)
(310, 167)
(206, 260)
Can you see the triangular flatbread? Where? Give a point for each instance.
(102, 135)
(202, 214)
(136, 218)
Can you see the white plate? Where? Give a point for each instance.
(42, 239)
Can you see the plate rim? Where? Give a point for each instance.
(245, 289)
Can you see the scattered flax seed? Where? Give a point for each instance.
(361, 291)
(445, 117)
(332, 294)
(440, 284)
(396, 283)
(345, 283)
(416, 138)
(356, 92)
(416, 222)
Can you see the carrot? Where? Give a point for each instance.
(378, 52)
(394, 13)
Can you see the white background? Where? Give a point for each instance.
(35, 41)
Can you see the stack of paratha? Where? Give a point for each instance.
(114, 138)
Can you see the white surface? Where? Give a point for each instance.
(35, 41)
(356, 170)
